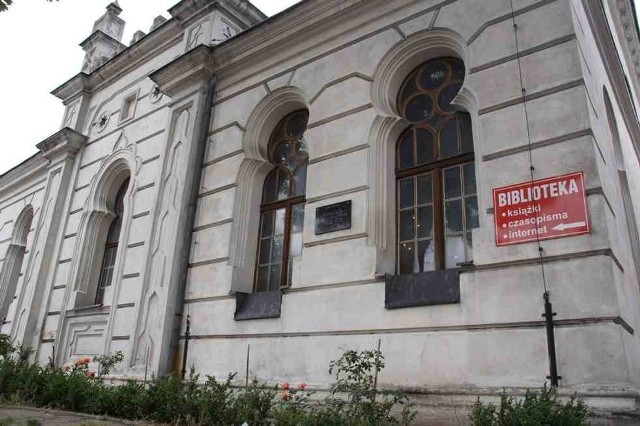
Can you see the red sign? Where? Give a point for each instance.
(543, 209)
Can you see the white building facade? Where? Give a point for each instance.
(322, 180)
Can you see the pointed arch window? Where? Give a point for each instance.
(283, 200)
(111, 246)
(437, 203)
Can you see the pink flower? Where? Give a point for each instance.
(302, 386)
(284, 395)
(90, 373)
(67, 368)
(286, 386)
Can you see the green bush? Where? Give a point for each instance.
(536, 408)
(354, 399)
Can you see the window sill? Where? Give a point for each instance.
(88, 310)
(422, 289)
(261, 305)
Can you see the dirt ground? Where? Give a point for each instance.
(21, 416)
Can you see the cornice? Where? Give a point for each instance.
(66, 140)
(195, 65)
(187, 11)
(22, 171)
(629, 27)
(283, 32)
(609, 53)
(99, 35)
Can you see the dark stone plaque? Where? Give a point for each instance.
(422, 289)
(261, 305)
(334, 217)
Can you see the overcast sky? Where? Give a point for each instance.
(39, 51)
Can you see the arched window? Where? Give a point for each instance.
(111, 245)
(12, 266)
(283, 198)
(437, 205)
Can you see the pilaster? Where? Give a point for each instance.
(189, 82)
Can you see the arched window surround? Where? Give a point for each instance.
(388, 125)
(97, 215)
(250, 181)
(618, 160)
(14, 259)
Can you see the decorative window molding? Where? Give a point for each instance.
(386, 128)
(128, 108)
(631, 226)
(97, 215)
(405, 57)
(12, 265)
(251, 175)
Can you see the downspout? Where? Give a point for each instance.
(191, 215)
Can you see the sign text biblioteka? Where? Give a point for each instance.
(548, 208)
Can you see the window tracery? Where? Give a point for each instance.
(283, 200)
(437, 204)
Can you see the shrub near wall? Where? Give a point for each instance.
(354, 399)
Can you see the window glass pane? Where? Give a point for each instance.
(265, 251)
(458, 70)
(277, 248)
(419, 108)
(406, 258)
(426, 256)
(274, 277)
(469, 244)
(471, 212)
(449, 139)
(280, 216)
(425, 189)
(424, 146)
(281, 153)
(454, 251)
(409, 89)
(300, 181)
(407, 225)
(295, 245)
(452, 183)
(453, 215)
(425, 222)
(434, 75)
(469, 179)
(406, 193)
(296, 125)
(283, 185)
(270, 185)
(465, 132)
(405, 151)
(262, 282)
(267, 225)
(297, 220)
(446, 96)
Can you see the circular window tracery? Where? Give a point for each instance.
(288, 151)
(438, 130)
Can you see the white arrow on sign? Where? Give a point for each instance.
(563, 226)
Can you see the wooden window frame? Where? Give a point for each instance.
(288, 216)
(287, 204)
(111, 244)
(435, 167)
